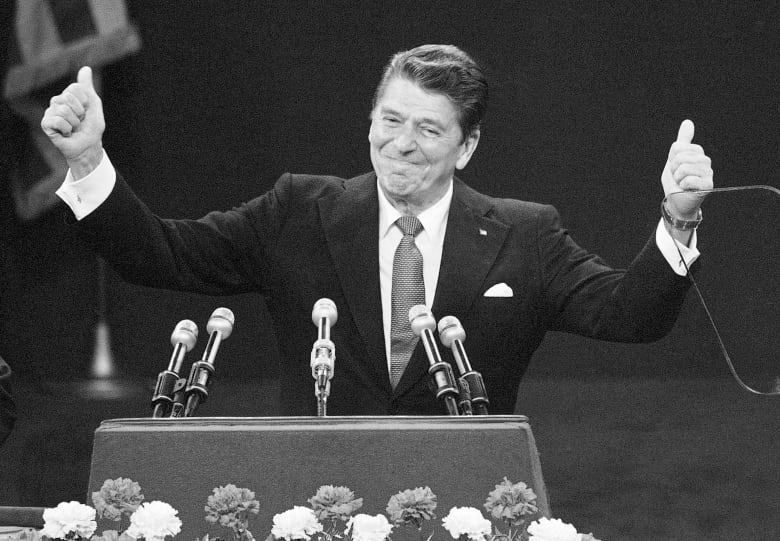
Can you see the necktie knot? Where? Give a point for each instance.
(409, 225)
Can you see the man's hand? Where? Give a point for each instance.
(74, 123)
(687, 168)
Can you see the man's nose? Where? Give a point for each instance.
(406, 139)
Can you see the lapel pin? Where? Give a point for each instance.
(483, 232)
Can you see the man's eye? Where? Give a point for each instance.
(430, 132)
(391, 120)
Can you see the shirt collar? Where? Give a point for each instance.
(433, 219)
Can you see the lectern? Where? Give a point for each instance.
(284, 460)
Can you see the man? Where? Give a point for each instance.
(505, 268)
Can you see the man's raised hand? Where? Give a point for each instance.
(74, 123)
(688, 168)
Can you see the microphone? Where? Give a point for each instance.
(183, 340)
(442, 378)
(452, 335)
(219, 327)
(323, 354)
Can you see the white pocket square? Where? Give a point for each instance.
(499, 290)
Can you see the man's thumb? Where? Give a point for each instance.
(85, 77)
(685, 134)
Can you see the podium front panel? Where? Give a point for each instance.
(284, 460)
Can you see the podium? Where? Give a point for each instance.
(284, 460)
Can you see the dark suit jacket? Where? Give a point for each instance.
(312, 237)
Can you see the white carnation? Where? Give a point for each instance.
(467, 521)
(67, 518)
(154, 521)
(296, 523)
(368, 528)
(546, 529)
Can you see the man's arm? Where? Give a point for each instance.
(211, 255)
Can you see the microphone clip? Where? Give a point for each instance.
(323, 357)
(442, 380)
(162, 400)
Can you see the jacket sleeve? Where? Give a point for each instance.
(222, 253)
(588, 297)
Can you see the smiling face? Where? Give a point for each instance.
(416, 145)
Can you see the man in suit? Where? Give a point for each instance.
(505, 268)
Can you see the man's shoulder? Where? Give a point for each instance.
(316, 186)
(505, 209)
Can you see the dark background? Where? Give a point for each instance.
(585, 100)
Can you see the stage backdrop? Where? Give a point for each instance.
(220, 101)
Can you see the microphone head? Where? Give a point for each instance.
(421, 318)
(185, 333)
(450, 330)
(324, 308)
(221, 320)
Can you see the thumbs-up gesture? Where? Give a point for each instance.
(688, 168)
(74, 123)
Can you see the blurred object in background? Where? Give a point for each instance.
(52, 39)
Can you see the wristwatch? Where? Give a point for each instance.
(676, 223)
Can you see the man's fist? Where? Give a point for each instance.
(74, 123)
(687, 168)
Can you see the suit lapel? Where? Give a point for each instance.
(351, 225)
(471, 244)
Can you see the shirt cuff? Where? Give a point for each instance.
(86, 194)
(666, 244)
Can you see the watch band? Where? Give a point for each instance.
(676, 223)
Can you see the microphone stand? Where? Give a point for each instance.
(442, 378)
(323, 354)
(452, 335)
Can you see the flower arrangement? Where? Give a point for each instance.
(116, 500)
(230, 507)
(512, 503)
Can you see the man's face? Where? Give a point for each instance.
(416, 144)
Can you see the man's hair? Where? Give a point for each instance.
(447, 70)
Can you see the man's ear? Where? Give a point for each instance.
(469, 146)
